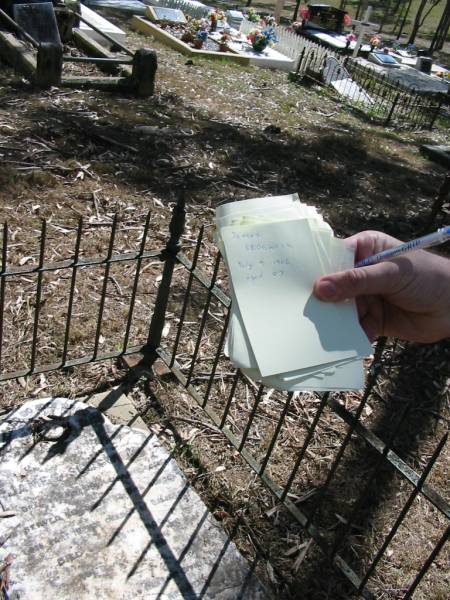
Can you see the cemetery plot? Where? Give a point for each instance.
(186, 41)
(340, 79)
(205, 37)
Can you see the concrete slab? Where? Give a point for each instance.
(267, 59)
(105, 513)
(147, 28)
(349, 89)
(117, 407)
(102, 24)
(409, 77)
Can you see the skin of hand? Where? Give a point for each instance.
(406, 297)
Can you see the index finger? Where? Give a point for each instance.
(367, 243)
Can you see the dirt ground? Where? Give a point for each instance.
(224, 133)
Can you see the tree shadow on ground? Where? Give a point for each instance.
(355, 186)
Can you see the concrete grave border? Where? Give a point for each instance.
(145, 27)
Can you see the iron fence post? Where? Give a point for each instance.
(394, 104)
(436, 112)
(169, 256)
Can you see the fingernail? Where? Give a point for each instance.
(326, 290)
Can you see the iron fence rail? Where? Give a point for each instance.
(219, 404)
(73, 266)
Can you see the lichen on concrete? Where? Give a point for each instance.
(104, 512)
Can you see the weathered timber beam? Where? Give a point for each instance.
(93, 48)
(17, 54)
(97, 60)
(103, 83)
(142, 80)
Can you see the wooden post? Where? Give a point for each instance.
(144, 69)
(49, 65)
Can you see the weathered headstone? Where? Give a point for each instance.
(94, 18)
(39, 21)
(234, 18)
(8, 5)
(165, 15)
(333, 70)
(102, 511)
(339, 78)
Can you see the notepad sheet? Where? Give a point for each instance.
(279, 333)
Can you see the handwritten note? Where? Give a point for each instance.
(275, 248)
(273, 269)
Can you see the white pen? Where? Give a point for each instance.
(427, 241)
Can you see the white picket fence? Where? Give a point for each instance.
(295, 46)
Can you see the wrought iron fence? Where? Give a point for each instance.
(258, 423)
(394, 102)
(374, 94)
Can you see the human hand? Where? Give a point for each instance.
(406, 297)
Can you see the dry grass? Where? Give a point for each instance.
(228, 133)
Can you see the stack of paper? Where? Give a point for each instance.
(279, 333)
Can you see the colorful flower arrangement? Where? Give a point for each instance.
(196, 32)
(202, 35)
(443, 74)
(215, 16)
(347, 20)
(297, 26)
(375, 41)
(269, 21)
(305, 13)
(252, 16)
(261, 39)
(225, 38)
(223, 41)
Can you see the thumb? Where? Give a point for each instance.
(377, 279)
